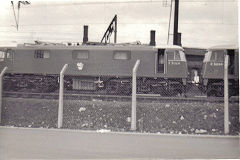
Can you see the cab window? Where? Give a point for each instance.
(217, 56)
(220, 56)
(2, 55)
(173, 55)
(80, 54)
(176, 55)
(41, 54)
(170, 55)
(213, 56)
(6, 55)
(121, 55)
(207, 56)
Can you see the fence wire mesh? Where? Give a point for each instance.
(104, 104)
(163, 106)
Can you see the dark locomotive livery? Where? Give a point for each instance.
(96, 68)
(213, 70)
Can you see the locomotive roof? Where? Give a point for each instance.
(108, 46)
(223, 47)
(169, 47)
(8, 45)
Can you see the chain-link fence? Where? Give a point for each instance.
(103, 103)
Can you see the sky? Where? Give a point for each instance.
(203, 23)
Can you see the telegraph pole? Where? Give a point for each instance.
(175, 32)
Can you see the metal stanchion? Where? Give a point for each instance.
(1, 90)
(226, 112)
(61, 88)
(134, 97)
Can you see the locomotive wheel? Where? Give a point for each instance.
(212, 93)
(166, 91)
(215, 91)
(233, 91)
(174, 92)
(118, 88)
(126, 92)
(112, 88)
(156, 90)
(220, 94)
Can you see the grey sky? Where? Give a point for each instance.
(203, 23)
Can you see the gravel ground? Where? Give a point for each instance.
(166, 117)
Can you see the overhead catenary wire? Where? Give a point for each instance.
(132, 1)
(54, 4)
(121, 23)
(26, 28)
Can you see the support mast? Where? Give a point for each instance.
(175, 32)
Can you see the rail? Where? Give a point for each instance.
(140, 97)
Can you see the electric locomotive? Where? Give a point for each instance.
(96, 68)
(213, 70)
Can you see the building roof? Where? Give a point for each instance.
(195, 51)
(220, 47)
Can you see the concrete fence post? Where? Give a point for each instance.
(61, 88)
(1, 90)
(134, 96)
(226, 112)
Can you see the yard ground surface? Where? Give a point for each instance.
(33, 143)
(168, 116)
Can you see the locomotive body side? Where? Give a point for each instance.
(99, 61)
(93, 63)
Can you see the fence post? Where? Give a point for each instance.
(226, 112)
(61, 88)
(1, 90)
(134, 97)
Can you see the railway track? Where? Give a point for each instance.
(98, 97)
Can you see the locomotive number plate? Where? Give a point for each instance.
(216, 64)
(174, 63)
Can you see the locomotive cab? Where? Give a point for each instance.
(213, 63)
(213, 69)
(171, 62)
(170, 71)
